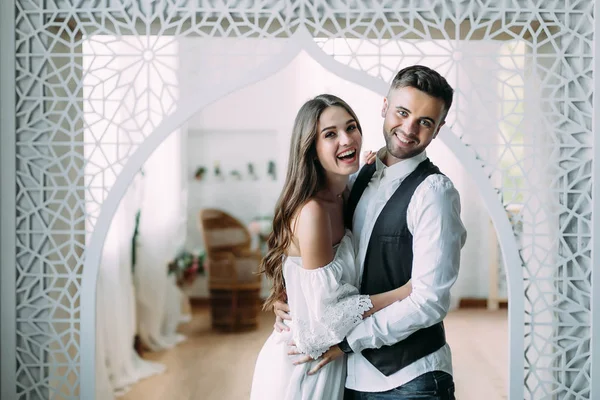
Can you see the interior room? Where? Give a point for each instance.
(145, 144)
(231, 157)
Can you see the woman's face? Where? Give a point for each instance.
(338, 141)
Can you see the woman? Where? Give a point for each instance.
(311, 258)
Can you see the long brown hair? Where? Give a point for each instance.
(304, 178)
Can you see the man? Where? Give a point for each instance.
(405, 218)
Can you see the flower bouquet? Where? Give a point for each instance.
(187, 266)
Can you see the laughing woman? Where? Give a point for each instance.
(311, 258)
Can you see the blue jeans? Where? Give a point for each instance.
(436, 385)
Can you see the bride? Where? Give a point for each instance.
(311, 258)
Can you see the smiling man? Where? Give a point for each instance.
(413, 118)
(405, 217)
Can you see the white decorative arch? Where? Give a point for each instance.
(300, 41)
(525, 115)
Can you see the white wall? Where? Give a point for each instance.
(267, 110)
(473, 278)
(246, 198)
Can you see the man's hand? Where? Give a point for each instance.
(333, 353)
(369, 156)
(282, 312)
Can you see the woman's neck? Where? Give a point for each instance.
(334, 187)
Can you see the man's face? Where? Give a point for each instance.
(412, 119)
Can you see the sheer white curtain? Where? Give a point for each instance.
(161, 235)
(149, 303)
(118, 366)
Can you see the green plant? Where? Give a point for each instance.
(199, 174)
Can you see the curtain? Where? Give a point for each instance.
(118, 366)
(161, 236)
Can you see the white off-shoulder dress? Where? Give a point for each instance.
(325, 305)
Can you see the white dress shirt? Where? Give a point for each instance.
(433, 218)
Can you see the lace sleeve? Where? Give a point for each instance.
(334, 309)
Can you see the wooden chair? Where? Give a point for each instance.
(232, 266)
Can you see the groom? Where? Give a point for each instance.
(405, 219)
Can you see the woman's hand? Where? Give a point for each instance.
(282, 312)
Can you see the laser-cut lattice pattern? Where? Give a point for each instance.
(523, 74)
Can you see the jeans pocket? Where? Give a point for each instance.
(445, 384)
(442, 378)
(451, 393)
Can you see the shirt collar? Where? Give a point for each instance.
(399, 170)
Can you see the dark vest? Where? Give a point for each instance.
(388, 265)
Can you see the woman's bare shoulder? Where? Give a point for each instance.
(313, 232)
(310, 213)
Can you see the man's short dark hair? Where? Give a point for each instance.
(426, 80)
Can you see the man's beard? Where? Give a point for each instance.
(394, 150)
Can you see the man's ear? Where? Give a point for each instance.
(438, 129)
(384, 108)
